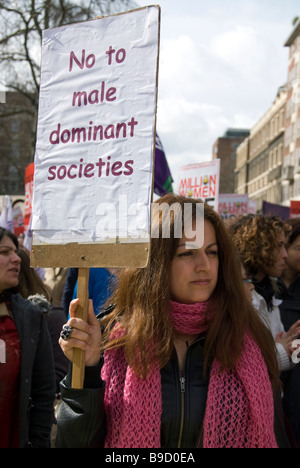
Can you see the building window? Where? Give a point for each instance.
(287, 138)
(281, 119)
(297, 187)
(285, 192)
(280, 154)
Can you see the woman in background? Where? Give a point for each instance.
(27, 381)
(288, 291)
(261, 243)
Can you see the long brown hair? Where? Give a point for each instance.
(142, 303)
(29, 281)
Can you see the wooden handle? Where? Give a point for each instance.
(82, 313)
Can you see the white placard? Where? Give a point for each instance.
(96, 130)
(232, 205)
(252, 206)
(201, 181)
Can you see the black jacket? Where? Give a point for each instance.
(81, 419)
(290, 306)
(37, 380)
(290, 313)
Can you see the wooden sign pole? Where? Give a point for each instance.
(82, 313)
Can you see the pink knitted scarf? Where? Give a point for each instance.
(239, 409)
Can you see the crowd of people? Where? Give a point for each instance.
(196, 350)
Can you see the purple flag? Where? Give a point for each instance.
(270, 209)
(162, 174)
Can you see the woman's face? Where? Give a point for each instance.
(9, 264)
(293, 256)
(277, 269)
(194, 272)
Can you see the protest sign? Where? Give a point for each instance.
(252, 206)
(295, 209)
(29, 175)
(18, 220)
(232, 205)
(93, 178)
(95, 147)
(2, 352)
(201, 180)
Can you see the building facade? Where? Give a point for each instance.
(260, 158)
(268, 161)
(241, 169)
(225, 149)
(291, 160)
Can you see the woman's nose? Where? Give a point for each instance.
(16, 258)
(201, 261)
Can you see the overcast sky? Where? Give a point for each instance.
(221, 64)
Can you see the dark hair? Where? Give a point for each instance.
(29, 281)
(6, 233)
(295, 231)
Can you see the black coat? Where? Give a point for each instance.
(37, 379)
(290, 313)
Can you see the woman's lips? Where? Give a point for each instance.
(201, 282)
(14, 270)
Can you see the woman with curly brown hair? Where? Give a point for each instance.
(261, 243)
(183, 360)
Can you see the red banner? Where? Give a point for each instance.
(295, 209)
(29, 173)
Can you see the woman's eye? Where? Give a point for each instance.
(212, 253)
(186, 253)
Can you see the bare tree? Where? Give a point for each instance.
(21, 26)
(22, 23)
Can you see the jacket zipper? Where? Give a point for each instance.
(182, 390)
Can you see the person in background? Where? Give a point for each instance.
(288, 291)
(260, 242)
(184, 359)
(31, 287)
(101, 283)
(27, 378)
(288, 284)
(68, 289)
